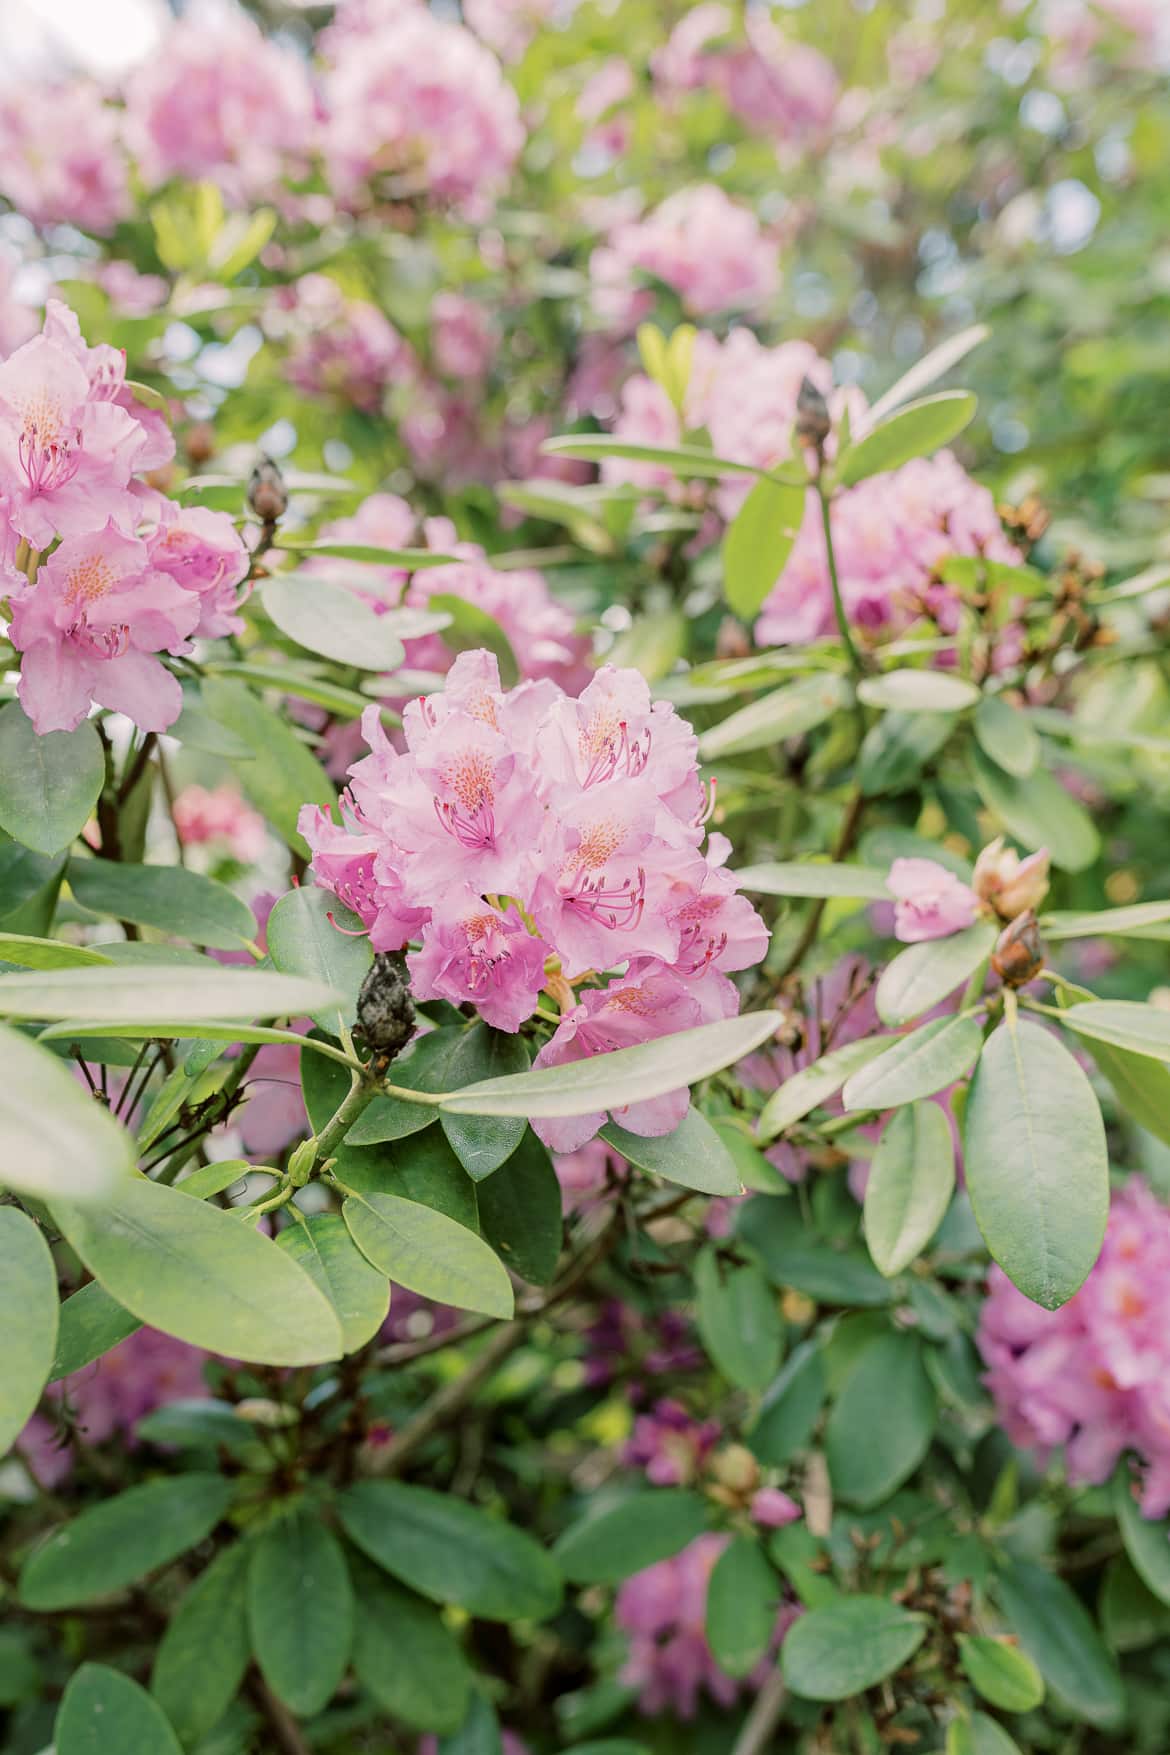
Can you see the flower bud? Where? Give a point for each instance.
(1012, 885)
(1019, 953)
(267, 494)
(385, 1010)
(772, 1509)
(813, 422)
(736, 1468)
(200, 443)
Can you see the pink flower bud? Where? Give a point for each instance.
(773, 1509)
(1011, 884)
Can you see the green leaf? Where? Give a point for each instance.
(684, 460)
(811, 879)
(979, 1735)
(839, 1650)
(1036, 1162)
(28, 1318)
(91, 1322)
(1007, 736)
(422, 1066)
(882, 1422)
(204, 1653)
(897, 747)
(807, 1089)
(424, 1169)
(918, 691)
(450, 1551)
(280, 775)
(411, 560)
(145, 993)
(406, 1658)
(300, 1610)
(739, 1320)
(1142, 1085)
(330, 619)
(1141, 920)
(916, 430)
(788, 712)
(1147, 1540)
(470, 628)
(1038, 812)
(520, 1212)
(1122, 1023)
(45, 953)
(57, 1140)
(610, 1081)
(429, 1253)
(183, 904)
(321, 1245)
(743, 1595)
(910, 1185)
(1003, 1675)
(831, 1276)
(927, 1060)
(303, 940)
(479, 1734)
(930, 367)
(692, 1155)
(120, 1540)
(790, 1409)
(49, 785)
(759, 541)
(102, 1710)
(1131, 1615)
(29, 887)
(613, 1541)
(202, 1274)
(481, 1143)
(1056, 1631)
(924, 974)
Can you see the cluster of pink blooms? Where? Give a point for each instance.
(1092, 1379)
(709, 249)
(778, 87)
(61, 161)
(133, 575)
(663, 1612)
(338, 347)
(526, 826)
(219, 818)
(145, 1371)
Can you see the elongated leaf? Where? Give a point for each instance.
(882, 1422)
(610, 1081)
(1142, 1084)
(144, 993)
(102, 1710)
(807, 878)
(791, 1408)
(1141, 920)
(930, 367)
(788, 712)
(910, 1185)
(814, 1084)
(1003, 1675)
(916, 430)
(693, 1155)
(759, 541)
(90, 1323)
(279, 775)
(327, 618)
(411, 560)
(739, 1320)
(122, 1539)
(839, 1650)
(428, 1253)
(470, 628)
(927, 1060)
(1147, 1540)
(48, 785)
(610, 1543)
(204, 1652)
(28, 1317)
(1122, 1023)
(1057, 1633)
(321, 1245)
(743, 1595)
(182, 903)
(918, 691)
(520, 1212)
(924, 974)
(1007, 736)
(422, 1067)
(1036, 1162)
(406, 1658)
(684, 460)
(45, 953)
(450, 1551)
(481, 1143)
(1038, 812)
(203, 1275)
(300, 1611)
(57, 1140)
(896, 749)
(303, 941)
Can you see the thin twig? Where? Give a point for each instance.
(761, 1721)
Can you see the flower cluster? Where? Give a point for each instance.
(338, 347)
(61, 160)
(784, 90)
(132, 575)
(218, 817)
(708, 248)
(528, 835)
(1093, 1378)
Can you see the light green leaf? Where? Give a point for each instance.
(610, 1081)
(1056, 1631)
(839, 1650)
(924, 974)
(910, 1185)
(183, 904)
(406, 1658)
(410, 560)
(807, 1089)
(303, 941)
(91, 1322)
(758, 543)
(1038, 812)
(684, 460)
(203, 1654)
(57, 1140)
(788, 712)
(739, 1320)
(1003, 1675)
(1142, 1084)
(1141, 920)
(143, 993)
(743, 1595)
(48, 785)
(930, 367)
(300, 1610)
(1122, 1023)
(450, 1551)
(882, 1422)
(917, 430)
(811, 879)
(428, 1253)
(46, 953)
(927, 1060)
(102, 1710)
(328, 618)
(28, 1318)
(280, 774)
(469, 628)
(1147, 1540)
(612, 1541)
(896, 749)
(1036, 1162)
(321, 1244)
(693, 1156)
(918, 691)
(202, 1274)
(1007, 736)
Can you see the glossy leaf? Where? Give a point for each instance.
(102, 1710)
(911, 1181)
(927, 1060)
(183, 904)
(739, 1320)
(429, 1253)
(483, 1143)
(612, 1541)
(57, 1140)
(204, 1652)
(90, 1323)
(692, 1155)
(844, 1647)
(520, 1212)
(49, 785)
(788, 712)
(327, 618)
(28, 1318)
(882, 1421)
(303, 941)
(758, 543)
(300, 1610)
(917, 429)
(321, 1245)
(922, 975)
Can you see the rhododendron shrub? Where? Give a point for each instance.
(583, 897)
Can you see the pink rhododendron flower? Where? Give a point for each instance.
(1009, 883)
(931, 901)
(339, 347)
(473, 952)
(710, 249)
(507, 26)
(18, 322)
(1093, 1378)
(772, 1509)
(670, 1445)
(90, 630)
(61, 161)
(202, 551)
(220, 816)
(462, 335)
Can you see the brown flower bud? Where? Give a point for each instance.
(200, 443)
(732, 639)
(1012, 885)
(1019, 953)
(267, 494)
(385, 1010)
(813, 422)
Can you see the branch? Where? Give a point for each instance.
(761, 1721)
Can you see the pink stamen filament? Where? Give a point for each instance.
(472, 829)
(619, 753)
(619, 906)
(47, 466)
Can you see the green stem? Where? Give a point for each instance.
(855, 663)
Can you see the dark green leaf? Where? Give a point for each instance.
(300, 1610)
(1147, 1540)
(844, 1647)
(739, 1320)
(483, 1143)
(423, 1066)
(1143, 1085)
(911, 1181)
(743, 1595)
(790, 1409)
(204, 1652)
(882, 1422)
(897, 747)
(520, 1212)
(406, 1658)
(91, 1322)
(102, 1711)
(613, 1541)
(1056, 1631)
(182, 903)
(48, 785)
(1038, 812)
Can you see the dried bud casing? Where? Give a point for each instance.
(813, 421)
(385, 1010)
(267, 494)
(1019, 953)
